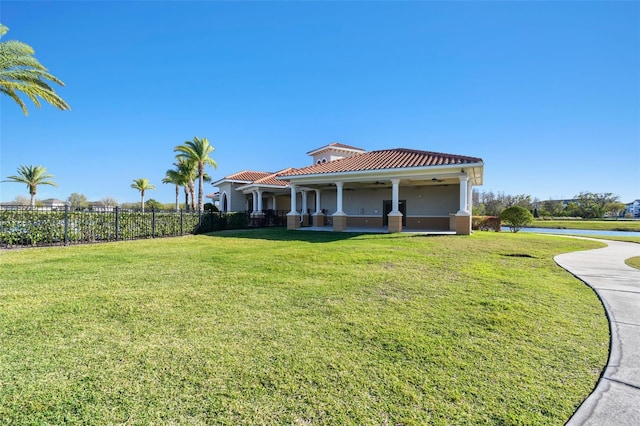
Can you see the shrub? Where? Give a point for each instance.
(516, 217)
(486, 223)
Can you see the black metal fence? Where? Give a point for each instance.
(25, 226)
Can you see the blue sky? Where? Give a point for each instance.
(547, 93)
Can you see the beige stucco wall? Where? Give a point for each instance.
(421, 202)
(235, 199)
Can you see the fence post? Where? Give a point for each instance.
(117, 224)
(66, 224)
(153, 222)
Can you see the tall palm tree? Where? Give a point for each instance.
(142, 185)
(189, 173)
(20, 71)
(184, 175)
(174, 177)
(198, 151)
(32, 176)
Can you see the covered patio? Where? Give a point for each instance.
(388, 191)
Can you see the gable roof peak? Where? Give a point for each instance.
(338, 146)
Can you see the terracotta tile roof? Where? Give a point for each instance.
(385, 159)
(247, 175)
(271, 179)
(336, 145)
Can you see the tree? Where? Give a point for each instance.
(175, 177)
(153, 204)
(552, 207)
(142, 185)
(592, 205)
(77, 201)
(615, 208)
(21, 201)
(516, 217)
(32, 176)
(20, 71)
(188, 172)
(108, 202)
(198, 151)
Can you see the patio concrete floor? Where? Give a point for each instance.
(365, 230)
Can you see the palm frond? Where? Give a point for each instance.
(21, 72)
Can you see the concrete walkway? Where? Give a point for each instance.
(616, 398)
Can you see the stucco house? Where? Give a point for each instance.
(348, 187)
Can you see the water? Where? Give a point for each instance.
(578, 232)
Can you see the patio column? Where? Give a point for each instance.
(294, 208)
(303, 214)
(259, 196)
(254, 203)
(292, 216)
(318, 216)
(395, 195)
(395, 217)
(303, 194)
(273, 201)
(463, 195)
(470, 198)
(339, 217)
(463, 217)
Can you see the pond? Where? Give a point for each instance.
(586, 232)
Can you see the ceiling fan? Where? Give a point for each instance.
(437, 180)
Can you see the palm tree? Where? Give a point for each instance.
(174, 177)
(32, 176)
(188, 172)
(20, 71)
(197, 151)
(142, 185)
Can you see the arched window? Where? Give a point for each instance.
(224, 202)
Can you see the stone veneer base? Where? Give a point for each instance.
(339, 223)
(293, 221)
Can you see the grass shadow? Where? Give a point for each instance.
(282, 234)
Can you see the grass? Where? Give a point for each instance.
(634, 262)
(614, 238)
(599, 225)
(276, 327)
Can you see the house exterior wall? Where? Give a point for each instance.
(428, 207)
(633, 208)
(423, 201)
(236, 201)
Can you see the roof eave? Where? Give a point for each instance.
(244, 188)
(394, 172)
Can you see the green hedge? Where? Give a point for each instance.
(27, 227)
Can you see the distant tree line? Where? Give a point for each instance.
(587, 205)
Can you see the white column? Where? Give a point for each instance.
(470, 198)
(254, 197)
(395, 196)
(259, 194)
(303, 194)
(293, 199)
(318, 209)
(273, 198)
(339, 198)
(463, 196)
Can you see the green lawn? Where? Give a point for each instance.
(634, 262)
(276, 327)
(599, 225)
